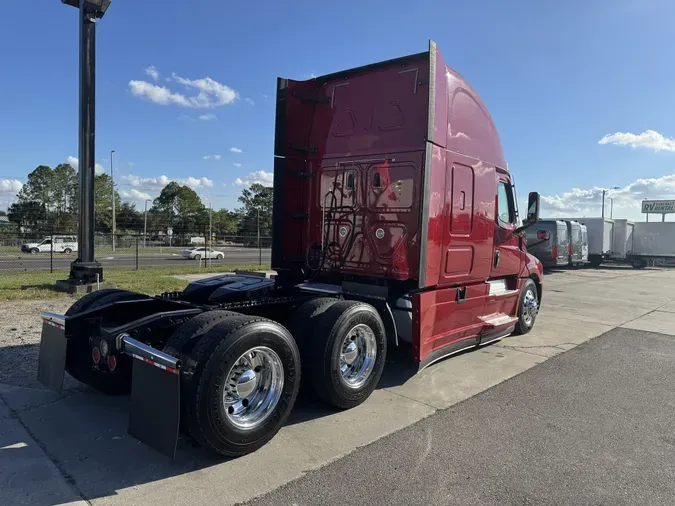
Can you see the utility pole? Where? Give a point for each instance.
(259, 245)
(112, 182)
(85, 270)
(145, 226)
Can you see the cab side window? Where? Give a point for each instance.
(506, 212)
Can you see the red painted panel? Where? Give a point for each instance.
(439, 321)
(458, 261)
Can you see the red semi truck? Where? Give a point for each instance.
(394, 223)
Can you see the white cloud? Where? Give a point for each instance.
(236, 165)
(627, 200)
(134, 194)
(236, 150)
(648, 139)
(265, 96)
(249, 101)
(259, 176)
(10, 185)
(207, 117)
(211, 157)
(152, 72)
(157, 183)
(210, 93)
(74, 163)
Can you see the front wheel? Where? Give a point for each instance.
(240, 381)
(34, 251)
(346, 353)
(198, 257)
(528, 307)
(220, 257)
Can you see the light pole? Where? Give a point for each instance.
(259, 245)
(603, 198)
(145, 226)
(112, 183)
(86, 270)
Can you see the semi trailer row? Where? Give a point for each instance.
(394, 223)
(636, 243)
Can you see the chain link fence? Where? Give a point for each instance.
(56, 251)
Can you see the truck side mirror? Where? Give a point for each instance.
(533, 208)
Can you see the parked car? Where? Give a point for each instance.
(199, 253)
(61, 244)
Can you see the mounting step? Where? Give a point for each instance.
(498, 320)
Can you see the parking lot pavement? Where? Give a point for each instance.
(593, 426)
(82, 438)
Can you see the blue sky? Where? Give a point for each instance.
(557, 77)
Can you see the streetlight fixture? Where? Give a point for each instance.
(96, 7)
(145, 227)
(112, 182)
(603, 197)
(85, 271)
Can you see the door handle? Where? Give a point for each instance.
(496, 260)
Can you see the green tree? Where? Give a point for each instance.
(257, 201)
(27, 214)
(225, 222)
(103, 186)
(181, 209)
(128, 218)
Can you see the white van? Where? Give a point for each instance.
(61, 244)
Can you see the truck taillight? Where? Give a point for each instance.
(554, 251)
(542, 235)
(569, 249)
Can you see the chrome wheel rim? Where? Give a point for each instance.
(530, 307)
(253, 387)
(357, 356)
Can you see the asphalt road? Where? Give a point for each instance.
(42, 261)
(595, 425)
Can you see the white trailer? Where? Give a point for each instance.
(653, 243)
(622, 244)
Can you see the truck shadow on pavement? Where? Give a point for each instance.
(84, 433)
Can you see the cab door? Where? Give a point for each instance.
(506, 256)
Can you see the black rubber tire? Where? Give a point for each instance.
(78, 361)
(198, 257)
(185, 338)
(639, 264)
(303, 320)
(596, 263)
(220, 257)
(67, 251)
(202, 383)
(521, 326)
(34, 251)
(324, 349)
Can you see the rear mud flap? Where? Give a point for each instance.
(154, 411)
(53, 344)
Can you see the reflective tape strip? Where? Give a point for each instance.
(152, 362)
(54, 324)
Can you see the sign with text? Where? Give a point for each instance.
(658, 206)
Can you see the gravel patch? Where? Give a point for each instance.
(20, 328)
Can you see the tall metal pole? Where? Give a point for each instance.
(145, 226)
(603, 203)
(112, 181)
(259, 245)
